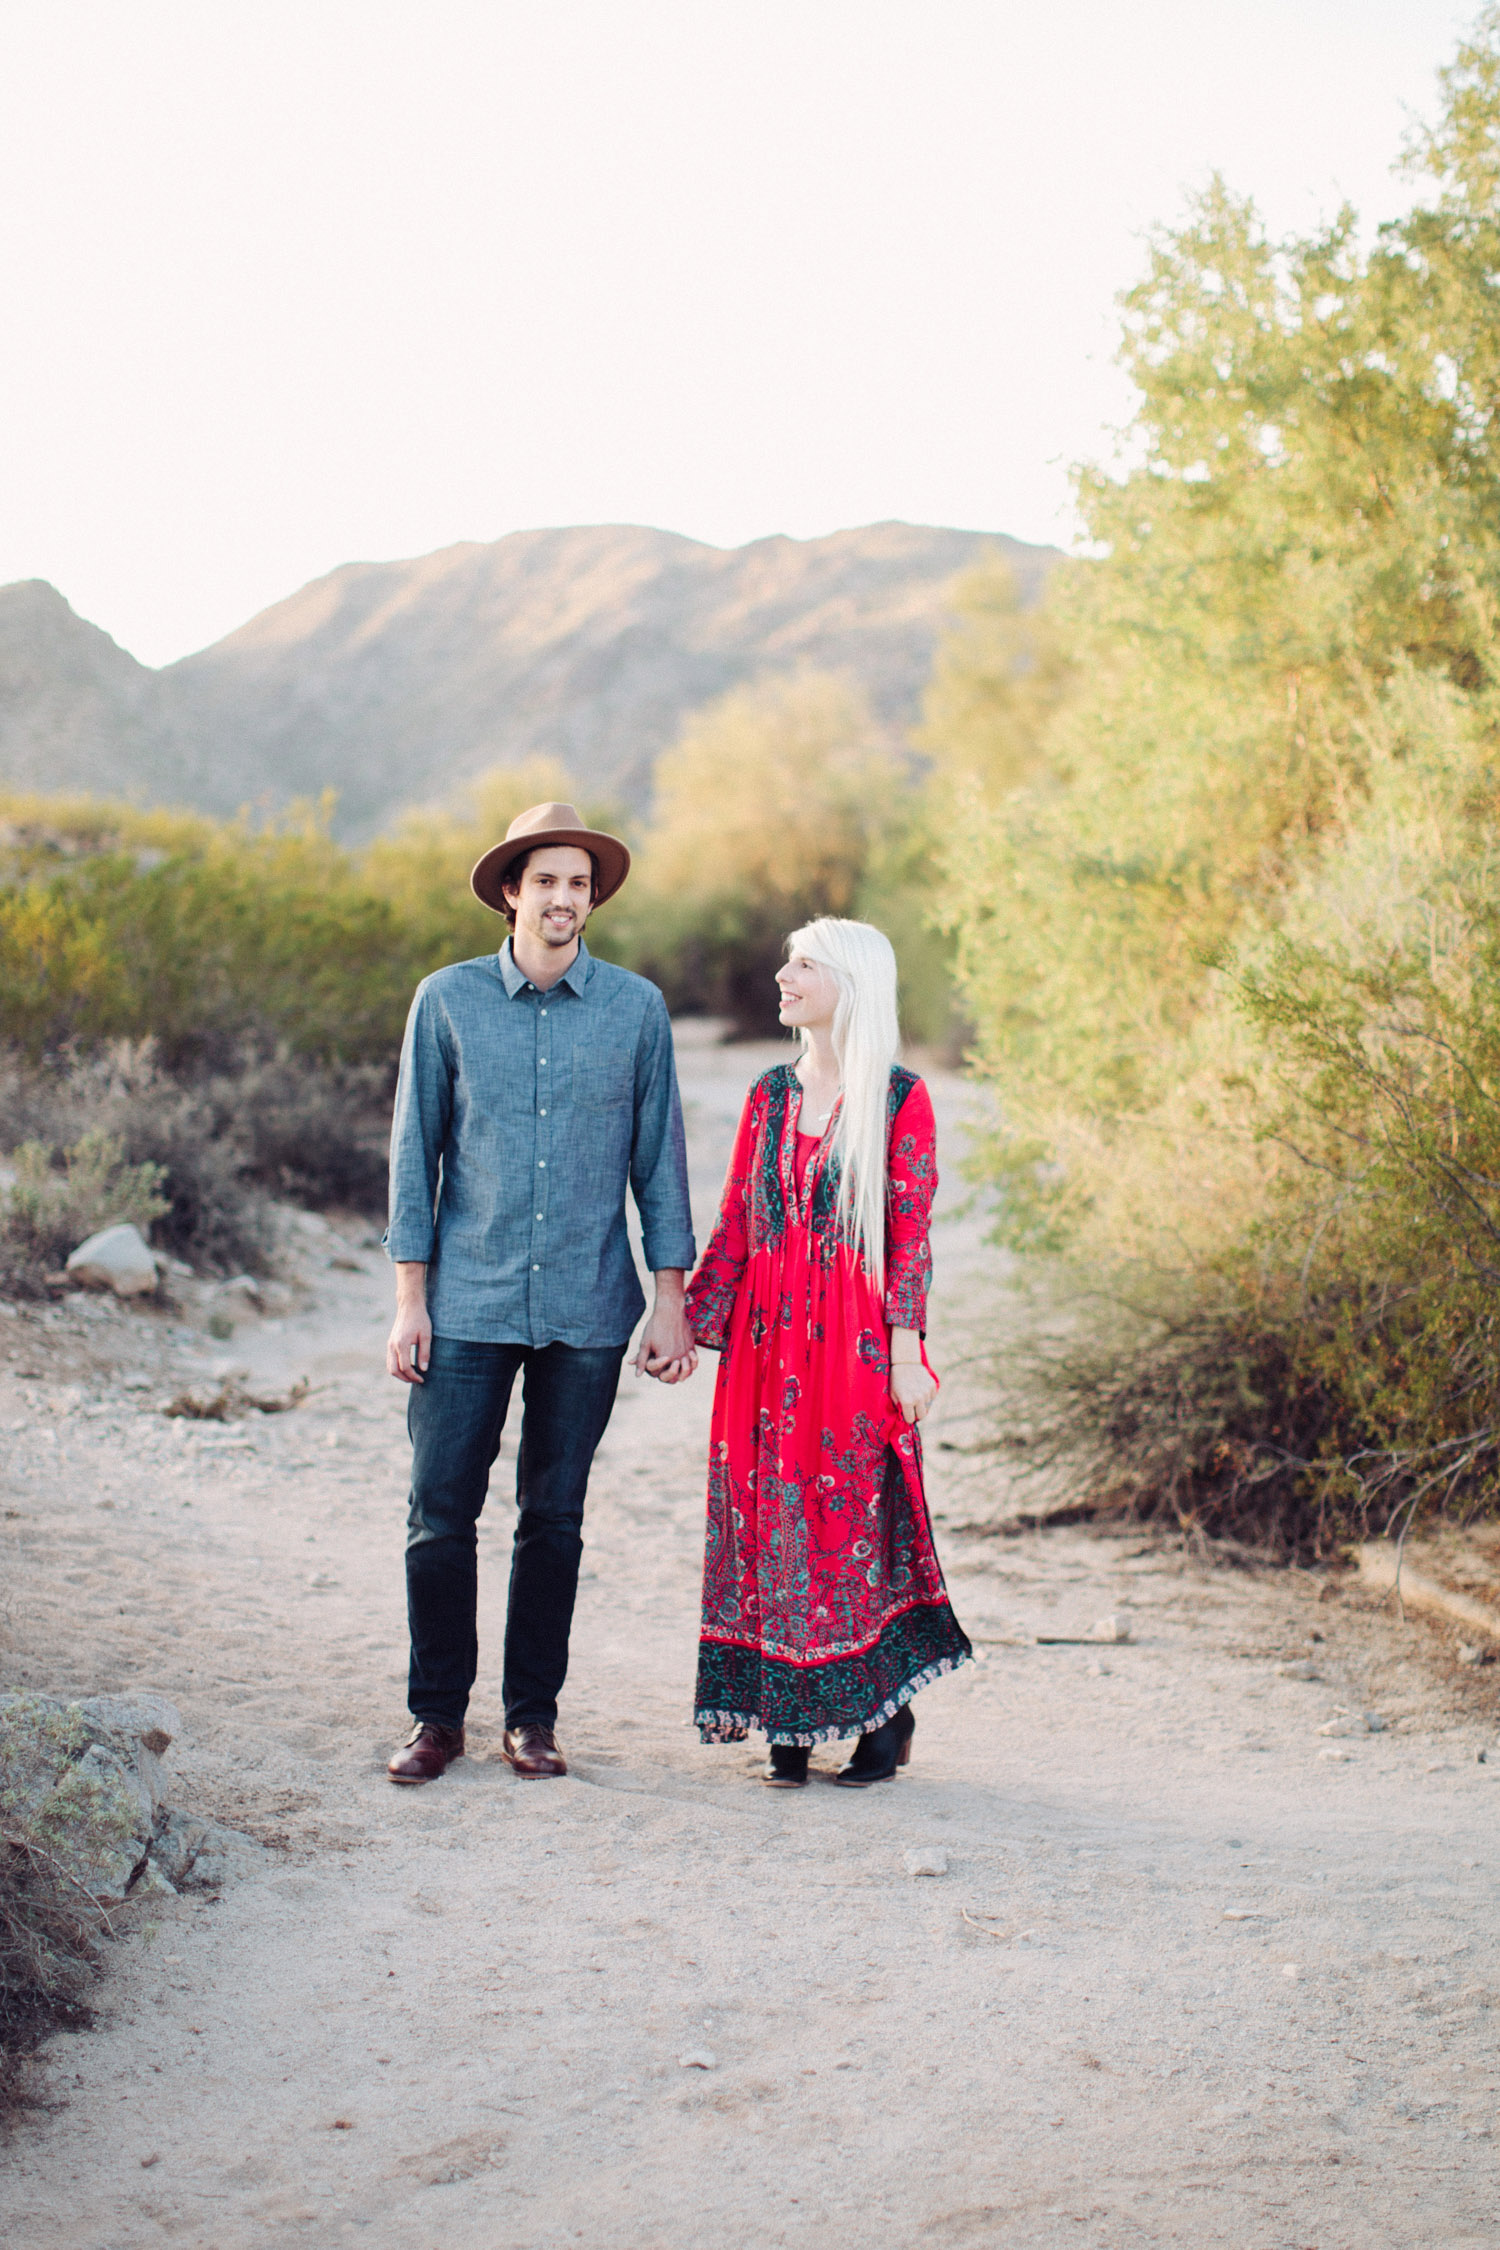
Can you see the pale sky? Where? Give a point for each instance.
(290, 283)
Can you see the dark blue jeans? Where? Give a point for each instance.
(455, 1419)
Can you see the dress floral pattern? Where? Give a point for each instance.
(824, 1608)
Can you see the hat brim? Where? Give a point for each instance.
(613, 858)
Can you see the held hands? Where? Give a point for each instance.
(667, 1350)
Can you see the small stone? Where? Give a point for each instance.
(1338, 1757)
(698, 2058)
(117, 1258)
(932, 1861)
(148, 2161)
(1301, 1668)
(1353, 1722)
(1112, 1628)
(152, 1883)
(1290, 1969)
(1468, 1654)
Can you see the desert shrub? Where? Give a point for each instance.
(1224, 882)
(193, 1159)
(57, 1197)
(316, 1133)
(49, 1924)
(204, 1207)
(216, 933)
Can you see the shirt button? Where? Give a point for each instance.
(541, 1113)
(544, 1011)
(536, 1269)
(541, 1163)
(541, 1214)
(542, 1064)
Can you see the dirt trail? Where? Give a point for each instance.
(1188, 1978)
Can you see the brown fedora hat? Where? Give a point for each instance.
(540, 825)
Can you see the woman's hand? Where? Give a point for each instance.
(912, 1389)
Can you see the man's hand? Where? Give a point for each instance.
(409, 1345)
(667, 1348)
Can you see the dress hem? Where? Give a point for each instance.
(735, 1726)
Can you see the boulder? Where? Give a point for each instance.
(117, 1258)
(87, 1780)
(150, 1718)
(179, 1841)
(197, 1854)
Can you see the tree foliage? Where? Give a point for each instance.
(780, 801)
(1225, 891)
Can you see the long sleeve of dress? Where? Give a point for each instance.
(911, 1183)
(714, 1287)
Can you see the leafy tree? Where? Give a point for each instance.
(780, 801)
(1224, 903)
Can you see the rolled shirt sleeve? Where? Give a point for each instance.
(419, 1129)
(658, 1154)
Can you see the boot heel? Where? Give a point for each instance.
(903, 1756)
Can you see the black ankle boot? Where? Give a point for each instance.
(876, 1756)
(788, 1767)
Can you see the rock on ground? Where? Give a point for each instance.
(117, 1258)
(85, 1779)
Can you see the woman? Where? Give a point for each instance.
(824, 1609)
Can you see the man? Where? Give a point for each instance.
(533, 1084)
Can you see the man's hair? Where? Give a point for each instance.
(514, 869)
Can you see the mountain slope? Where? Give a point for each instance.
(76, 711)
(392, 682)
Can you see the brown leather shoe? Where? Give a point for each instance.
(533, 1751)
(428, 1751)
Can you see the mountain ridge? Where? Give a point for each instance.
(395, 682)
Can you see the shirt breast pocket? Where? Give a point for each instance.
(604, 1078)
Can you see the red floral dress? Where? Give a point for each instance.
(824, 1608)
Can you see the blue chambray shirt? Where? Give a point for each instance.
(520, 1115)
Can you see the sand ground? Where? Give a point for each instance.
(1188, 1978)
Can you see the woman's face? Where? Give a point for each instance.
(809, 993)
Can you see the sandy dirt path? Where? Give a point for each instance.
(1188, 1978)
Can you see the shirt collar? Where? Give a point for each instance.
(577, 976)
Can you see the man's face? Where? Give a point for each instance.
(553, 900)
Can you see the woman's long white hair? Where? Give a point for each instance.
(865, 1038)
